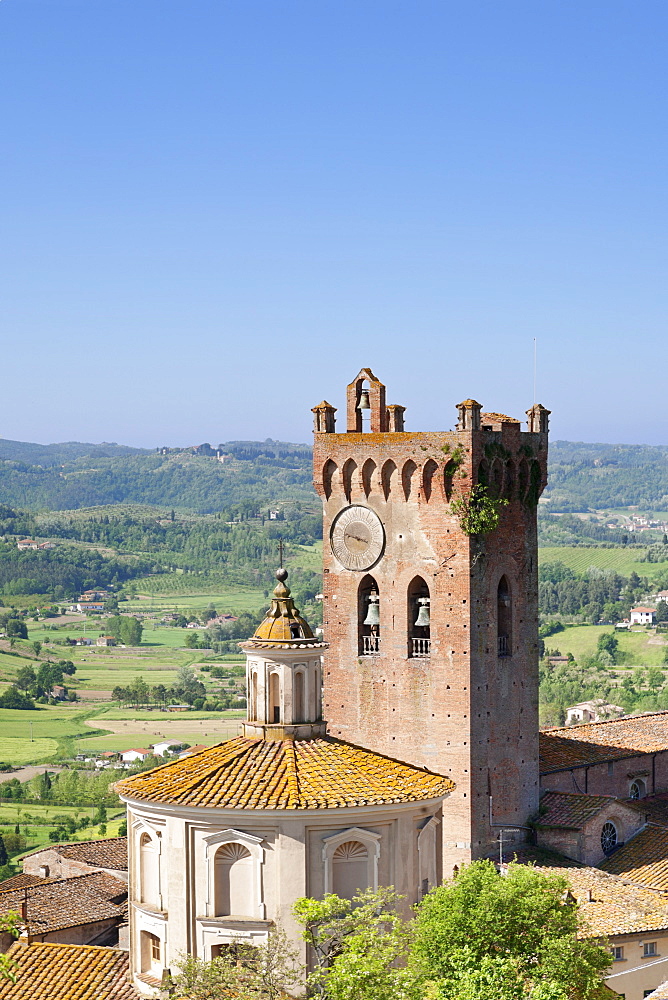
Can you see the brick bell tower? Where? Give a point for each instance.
(433, 631)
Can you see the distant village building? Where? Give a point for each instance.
(642, 616)
(661, 596)
(592, 711)
(90, 606)
(27, 543)
(106, 640)
(83, 640)
(167, 746)
(130, 756)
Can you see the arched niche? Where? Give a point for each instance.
(483, 473)
(368, 635)
(504, 618)
(149, 869)
(523, 479)
(407, 477)
(448, 477)
(428, 477)
(368, 470)
(388, 478)
(351, 861)
(349, 470)
(233, 881)
(496, 478)
(330, 477)
(419, 636)
(509, 480)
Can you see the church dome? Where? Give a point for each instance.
(282, 625)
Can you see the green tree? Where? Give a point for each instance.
(265, 972)
(608, 643)
(360, 947)
(191, 640)
(37, 647)
(520, 932)
(655, 678)
(25, 678)
(4, 857)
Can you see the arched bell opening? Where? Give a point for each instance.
(274, 713)
(363, 407)
(504, 618)
(368, 617)
(418, 626)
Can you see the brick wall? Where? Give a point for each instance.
(464, 711)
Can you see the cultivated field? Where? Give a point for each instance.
(639, 648)
(152, 727)
(621, 560)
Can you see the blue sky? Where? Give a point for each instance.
(215, 212)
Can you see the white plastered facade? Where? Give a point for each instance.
(286, 854)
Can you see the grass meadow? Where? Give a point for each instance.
(641, 648)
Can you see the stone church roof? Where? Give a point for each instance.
(285, 774)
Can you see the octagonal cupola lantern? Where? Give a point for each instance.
(284, 673)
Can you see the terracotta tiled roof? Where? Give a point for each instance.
(284, 774)
(19, 881)
(643, 858)
(653, 807)
(609, 904)
(68, 902)
(597, 742)
(570, 810)
(66, 972)
(110, 853)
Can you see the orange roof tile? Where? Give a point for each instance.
(570, 810)
(58, 903)
(68, 971)
(19, 881)
(643, 858)
(597, 742)
(284, 774)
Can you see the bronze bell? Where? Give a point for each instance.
(373, 611)
(364, 403)
(423, 614)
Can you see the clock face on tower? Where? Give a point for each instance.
(357, 537)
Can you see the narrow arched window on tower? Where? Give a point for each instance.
(253, 699)
(418, 625)
(504, 618)
(274, 698)
(298, 698)
(368, 617)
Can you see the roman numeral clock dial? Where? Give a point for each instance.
(357, 537)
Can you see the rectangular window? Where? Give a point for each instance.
(649, 949)
(617, 954)
(155, 948)
(611, 768)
